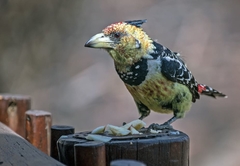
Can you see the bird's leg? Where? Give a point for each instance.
(144, 114)
(166, 125)
(143, 110)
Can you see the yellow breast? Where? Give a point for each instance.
(157, 92)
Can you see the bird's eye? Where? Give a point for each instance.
(116, 35)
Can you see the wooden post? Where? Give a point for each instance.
(16, 151)
(12, 111)
(56, 132)
(161, 150)
(65, 146)
(126, 163)
(90, 153)
(38, 129)
(168, 148)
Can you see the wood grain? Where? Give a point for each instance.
(16, 151)
(12, 111)
(90, 153)
(38, 129)
(56, 132)
(169, 148)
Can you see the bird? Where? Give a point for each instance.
(157, 78)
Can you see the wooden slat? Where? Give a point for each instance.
(16, 151)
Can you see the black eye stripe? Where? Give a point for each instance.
(115, 35)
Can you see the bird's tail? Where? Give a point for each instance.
(206, 90)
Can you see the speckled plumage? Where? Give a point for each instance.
(157, 78)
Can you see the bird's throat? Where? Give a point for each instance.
(121, 61)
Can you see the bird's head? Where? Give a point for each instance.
(125, 41)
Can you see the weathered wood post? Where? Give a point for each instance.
(38, 129)
(16, 151)
(56, 132)
(168, 148)
(154, 150)
(65, 146)
(90, 153)
(12, 111)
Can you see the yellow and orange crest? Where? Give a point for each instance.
(119, 26)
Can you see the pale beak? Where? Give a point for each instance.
(99, 41)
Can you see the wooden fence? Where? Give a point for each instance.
(38, 142)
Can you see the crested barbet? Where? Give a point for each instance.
(157, 78)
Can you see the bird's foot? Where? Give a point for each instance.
(156, 126)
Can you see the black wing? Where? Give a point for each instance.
(174, 69)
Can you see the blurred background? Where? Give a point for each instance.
(42, 54)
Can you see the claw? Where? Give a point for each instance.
(156, 126)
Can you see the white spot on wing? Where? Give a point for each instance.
(168, 58)
(147, 56)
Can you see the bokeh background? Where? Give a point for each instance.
(42, 54)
